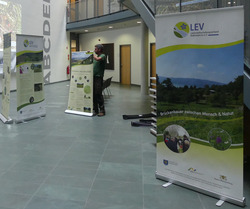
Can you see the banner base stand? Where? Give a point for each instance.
(239, 202)
(79, 113)
(27, 119)
(5, 120)
(219, 203)
(166, 185)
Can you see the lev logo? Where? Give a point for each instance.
(26, 43)
(182, 29)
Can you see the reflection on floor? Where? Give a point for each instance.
(73, 162)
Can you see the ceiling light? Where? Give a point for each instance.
(110, 27)
(138, 22)
(3, 2)
(86, 30)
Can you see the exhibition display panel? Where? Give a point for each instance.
(200, 101)
(4, 116)
(29, 78)
(81, 84)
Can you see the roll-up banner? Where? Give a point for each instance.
(4, 116)
(81, 84)
(200, 101)
(29, 78)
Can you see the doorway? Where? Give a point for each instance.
(125, 64)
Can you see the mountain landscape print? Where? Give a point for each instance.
(200, 90)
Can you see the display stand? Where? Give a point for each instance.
(5, 120)
(4, 115)
(80, 100)
(29, 78)
(152, 94)
(166, 185)
(78, 113)
(200, 124)
(220, 203)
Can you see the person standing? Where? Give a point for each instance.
(99, 64)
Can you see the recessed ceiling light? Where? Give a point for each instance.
(86, 30)
(138, 22)
(3, 2)
(110, 27)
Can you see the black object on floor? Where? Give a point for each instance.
(126, 117)
(137, 124)
(147, 121)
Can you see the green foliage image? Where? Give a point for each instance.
(212, 115)
(219, 139)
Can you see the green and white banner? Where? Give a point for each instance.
(29, 77)
(81, 84)
(200, 101)
(6, 79)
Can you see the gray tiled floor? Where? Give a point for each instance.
(66, 161)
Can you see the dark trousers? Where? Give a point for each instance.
(98, 97)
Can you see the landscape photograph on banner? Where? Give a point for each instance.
(82, 58)
(200, 97)
(81, 84)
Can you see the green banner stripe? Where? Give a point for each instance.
(168, 49)
(25, 52)
(24, 105)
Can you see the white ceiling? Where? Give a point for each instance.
(119, 25)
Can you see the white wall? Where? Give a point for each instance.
(127, 36)
(32, 24)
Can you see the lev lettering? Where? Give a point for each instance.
(196, 27)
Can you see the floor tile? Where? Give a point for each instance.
(117, 186)
(23, 176)
(70, 181)
(115, 199)
(62, 192)
(18, 187)
(120, 172)
(48, 203)
(126, 156)
(13, 201)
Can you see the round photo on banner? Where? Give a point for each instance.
(87, 89)
(32, 99)
(181, 29)
(176, 138)
(219, 139)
